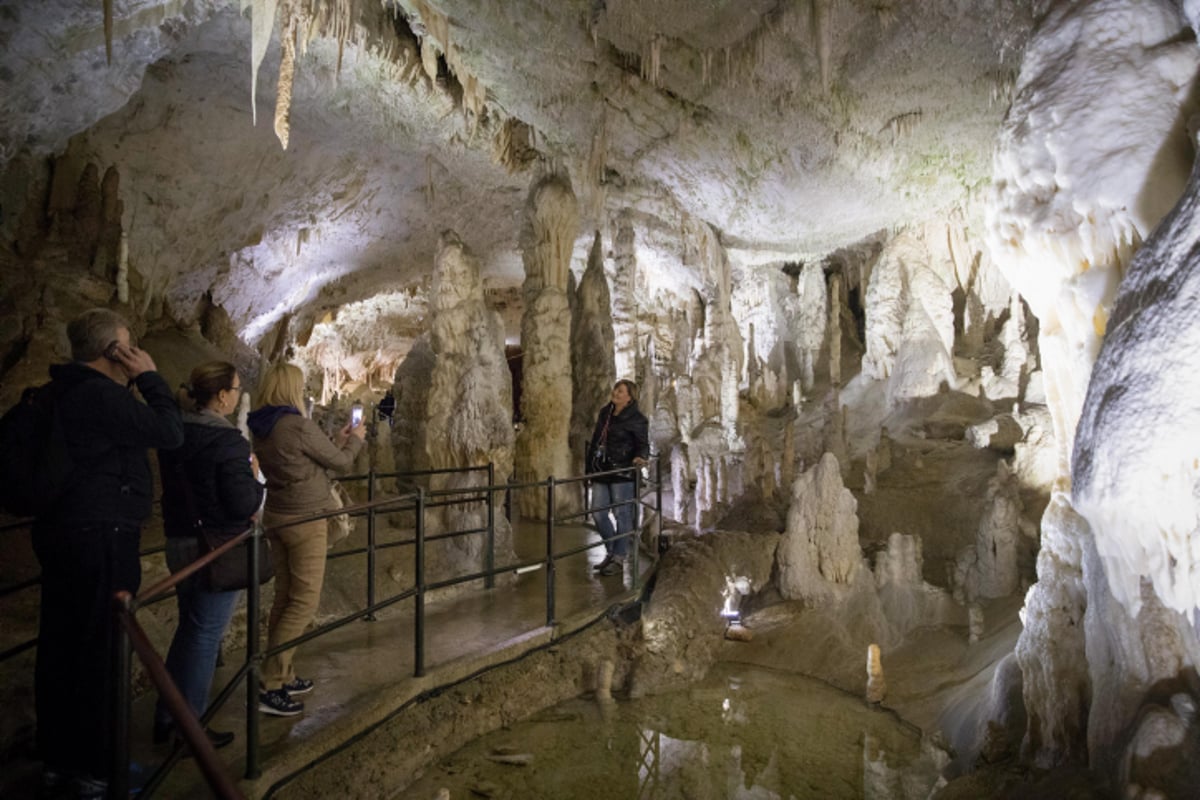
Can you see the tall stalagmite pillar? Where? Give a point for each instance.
(467, 407)
(552, 223)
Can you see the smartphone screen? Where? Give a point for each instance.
(356, 414)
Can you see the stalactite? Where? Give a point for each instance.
(262, 23)
(429, 191)
(652, 60)
(901, 126)
(108, 30)
(512, 145)
(823, 39)
(287, 72)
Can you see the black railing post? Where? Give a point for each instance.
(122, 674)
(508, 498)
(550, 564)
(370, 616)
(635, 535)
(254, 674)
(419, 599)
(658, 507)
(490, 556)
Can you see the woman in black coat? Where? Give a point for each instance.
(209, 481)
(621, 439)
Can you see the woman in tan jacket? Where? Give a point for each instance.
(295, 455)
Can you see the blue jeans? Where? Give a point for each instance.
(203, 618)
(606, 494)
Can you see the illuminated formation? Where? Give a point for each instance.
(908, 290)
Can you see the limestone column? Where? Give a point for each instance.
(552, 223)
(624, 299)
(835, 330)
(811, 322)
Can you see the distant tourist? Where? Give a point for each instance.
(209, 482)
(88, 545)
(387, 407)
(621, 439)
(294, 454)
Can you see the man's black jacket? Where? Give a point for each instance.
(108, 431)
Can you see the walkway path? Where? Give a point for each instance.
(364, 670)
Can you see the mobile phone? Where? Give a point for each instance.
(356, 414)
(110, 352)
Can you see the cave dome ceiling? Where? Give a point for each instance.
(790, 128)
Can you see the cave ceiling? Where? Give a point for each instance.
(791, 128)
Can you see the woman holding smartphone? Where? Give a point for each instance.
(295, 455)
(208, 481)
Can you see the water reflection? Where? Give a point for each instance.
(742, 733)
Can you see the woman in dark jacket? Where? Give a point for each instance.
(209, 481)
(621, 439)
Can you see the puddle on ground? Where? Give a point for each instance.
(744, 732)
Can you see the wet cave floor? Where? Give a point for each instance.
(742, 732)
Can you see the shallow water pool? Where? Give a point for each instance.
(744, 732)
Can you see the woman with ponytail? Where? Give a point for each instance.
(208, 482)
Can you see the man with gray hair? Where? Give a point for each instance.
(88, 544)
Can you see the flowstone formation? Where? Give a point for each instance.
(552, 223)
(1135, 475)
(1068, 209)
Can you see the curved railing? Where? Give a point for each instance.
(419, 502)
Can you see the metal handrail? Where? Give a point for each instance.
(127, 607)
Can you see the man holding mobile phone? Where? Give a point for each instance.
(88, 545)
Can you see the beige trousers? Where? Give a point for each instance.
(298, 554)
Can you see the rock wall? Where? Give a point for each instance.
(1079, 182)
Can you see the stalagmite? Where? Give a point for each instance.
(546, 241)
(604, 678)
(988, 568)
(974, 622)
(467, 408)
(123, 269)
(876, 685)
(592, 370)
(819, 556)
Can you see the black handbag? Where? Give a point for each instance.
(229, 571)
(598, 460)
